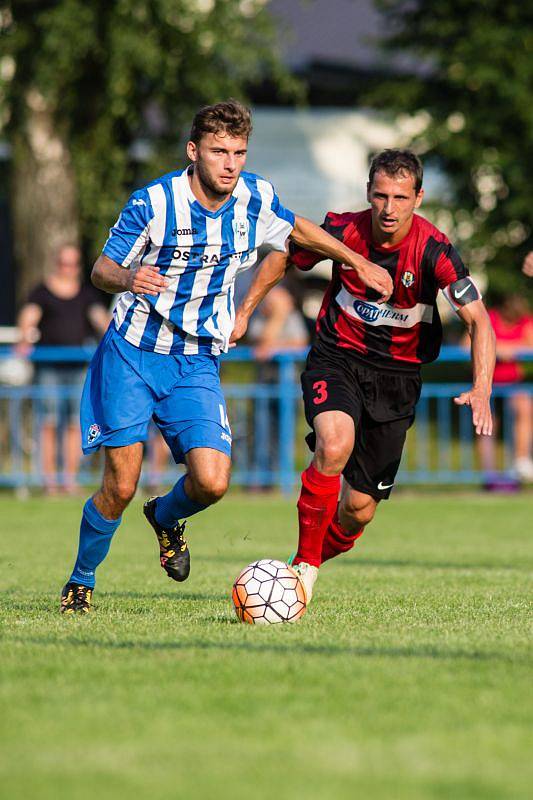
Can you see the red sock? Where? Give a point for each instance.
(337, 539)
(316, 506)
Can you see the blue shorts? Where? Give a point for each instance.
(126, 387)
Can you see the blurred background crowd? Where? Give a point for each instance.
(95, 99)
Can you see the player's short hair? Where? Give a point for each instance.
(229, 117)
(398, 162)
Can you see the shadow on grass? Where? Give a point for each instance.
(166, 595)
(428, 565)
(401, 563)
(297, 648)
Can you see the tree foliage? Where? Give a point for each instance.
(475, 90)
(115, 75)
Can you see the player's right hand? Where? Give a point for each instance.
(147, 280)
(377, 278)
(239, 329)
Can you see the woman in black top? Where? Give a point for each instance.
(61, 311)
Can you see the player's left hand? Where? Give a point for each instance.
(479, 402)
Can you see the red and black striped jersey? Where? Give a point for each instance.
(406, 331)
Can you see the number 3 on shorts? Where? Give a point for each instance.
(321, 389)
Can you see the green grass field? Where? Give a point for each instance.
(409, 677)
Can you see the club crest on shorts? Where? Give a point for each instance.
(93, 433)
(240, 228)
(408, 279)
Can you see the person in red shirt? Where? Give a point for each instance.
(513, 326)
(362, 378)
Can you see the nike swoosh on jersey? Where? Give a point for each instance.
(382, 486)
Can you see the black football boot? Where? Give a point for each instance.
(76, 599)
(174, 553)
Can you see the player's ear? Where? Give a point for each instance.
(419, 198)
(368, 191)
(192, 151)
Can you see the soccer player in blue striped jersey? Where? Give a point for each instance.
(173, 256)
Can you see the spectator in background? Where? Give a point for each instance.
(527, 266)
(277, 326)
(61, 311)
(513, 326)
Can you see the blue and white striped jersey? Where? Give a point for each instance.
(199, 251)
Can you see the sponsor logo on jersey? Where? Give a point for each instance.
(241, 228)
(138, 203)
(371, 313)
(408, 279)
(366, 311)
(93, 433)
(383, 313)
(200, 257)
(184, 231)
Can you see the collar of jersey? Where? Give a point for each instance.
(196, 203)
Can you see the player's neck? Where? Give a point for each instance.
(384, 239)
(209, 199)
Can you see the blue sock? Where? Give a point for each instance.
(96, 533)
(175, 506)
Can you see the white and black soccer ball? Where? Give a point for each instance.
(267, 592)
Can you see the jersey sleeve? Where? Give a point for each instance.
(280, 222)
(306, 259)
(449, 266)
(131, 232)
(454, 278)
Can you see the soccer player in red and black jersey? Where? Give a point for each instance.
(362, 378)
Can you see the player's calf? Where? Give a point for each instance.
(338, 539)
(356, 510)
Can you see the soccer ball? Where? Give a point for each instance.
(267, 592)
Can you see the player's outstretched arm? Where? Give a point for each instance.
(306, 234)
(483, 347)
(269, 273)
(110, 277)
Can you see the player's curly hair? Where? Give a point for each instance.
(229, 117)
(398, 162)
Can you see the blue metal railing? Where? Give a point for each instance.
(266, 420)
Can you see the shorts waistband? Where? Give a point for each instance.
(319, 349)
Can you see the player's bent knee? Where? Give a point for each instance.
(123, 492)
(331, 455)
(209, 489)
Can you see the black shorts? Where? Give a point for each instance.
(381, 404)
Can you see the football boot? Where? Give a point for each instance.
(174, 553)
(76, 599)
(308, 575)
